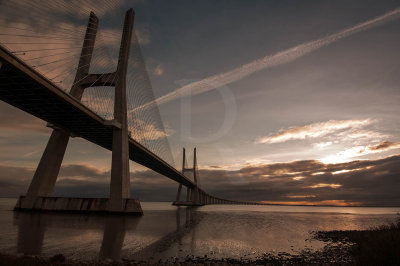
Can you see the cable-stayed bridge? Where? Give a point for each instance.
(90, 110)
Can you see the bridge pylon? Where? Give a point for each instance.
(39, 194)
(194, 196)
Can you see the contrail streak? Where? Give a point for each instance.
(269, 61)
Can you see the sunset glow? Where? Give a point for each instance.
(306, 108)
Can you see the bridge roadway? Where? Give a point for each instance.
(28, 90)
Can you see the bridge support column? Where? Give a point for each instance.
(44, 180)
(178, 195)
(192, 195)
(195, 196)
(120, 177)
(188, 191)
(45, 177)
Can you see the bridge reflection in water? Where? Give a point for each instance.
(51, 233)
(166, 232)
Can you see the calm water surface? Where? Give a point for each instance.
(166, 231)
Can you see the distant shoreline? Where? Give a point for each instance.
(271, 204)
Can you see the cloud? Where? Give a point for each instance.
(314, 130)
(111, 37)
(301, 196)
(322, 145)
(159, 70)
(384, 146)
(147, 131)
(14, 180)
(78, 9)
(367, 182)
(269, 61)
(53, 54)
(15, 120)
(143, 35)
(84, 180)
(320, 185)
(320, 203)
(336, 140)
(358, 151)
(83, 170)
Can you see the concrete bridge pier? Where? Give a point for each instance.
(120, 178)
(188, 196)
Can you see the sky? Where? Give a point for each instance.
(287, 102)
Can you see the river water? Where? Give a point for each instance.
(166, 231)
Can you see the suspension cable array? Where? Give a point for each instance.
(49, 38)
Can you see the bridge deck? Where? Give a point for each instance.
(28, 90)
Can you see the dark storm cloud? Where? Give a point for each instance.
(14, 180)
(384, 146)
(82, 170)
(81, 180)
(374, 182)
(368, 182)
(86, 181)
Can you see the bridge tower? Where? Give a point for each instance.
(39, 194)
(194, 197)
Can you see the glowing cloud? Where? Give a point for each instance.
(322, 145)
(351, 170)
(142, 131)
(269, 61)
(321, 185)
(351, 153)
(159, 70)
(318, 173)
(313, 130)
(314, 203)
(301, 196)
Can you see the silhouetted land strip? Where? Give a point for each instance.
(375, 246)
